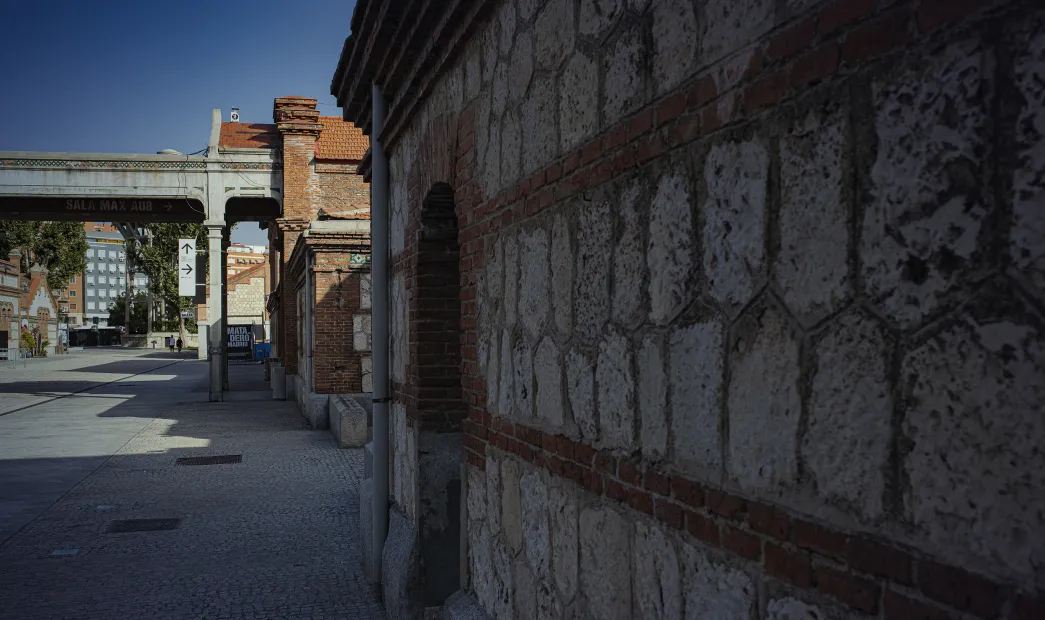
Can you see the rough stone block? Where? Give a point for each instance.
(366, 367)
(670, 247)
(598, 16)
(511, 147)
(616, 385)
(525, 595)
(460, 606)
(476, 500)
(793, 609)
(764, 403)
(737, 176)
(813, 264)
(652, 396)
(675, 43)
(490, 160)
(480, 547)
(605, 565)
(503, 582)
(536, 536)
(554, 33)
(562, 502)
(511, 511)
(549, 605)
(548, 375)
(578, 100)
(540, 140)
(506, 385)
(511, 279)
(522, 380)
(714, 590)
(850, 411)
(521, 68)
(1027, 235)
(629, 257)
(361, 338)
(365, 291)
(592, 280)
(580, 387)
(624, 75)
(348, 422)
(729, 25)
(506, 21)
(658, 589)
(976, 405)
(696, 371)
(562, 275)
(493, 495)
(400, 578)
(929, 201)
(535, 273)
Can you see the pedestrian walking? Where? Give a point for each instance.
(179, 345)
(170, 343)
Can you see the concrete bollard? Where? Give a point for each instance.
(279, 383)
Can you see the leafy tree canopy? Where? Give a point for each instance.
(61, 247)
(139, 313)
(158, 259)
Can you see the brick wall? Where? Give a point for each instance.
(337, 364)
(739, 329)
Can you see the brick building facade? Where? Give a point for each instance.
(746, 315)
(319, 253)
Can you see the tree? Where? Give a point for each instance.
(61, 247)
(158, 259)
(139, 313)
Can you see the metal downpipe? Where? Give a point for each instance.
(379, 268)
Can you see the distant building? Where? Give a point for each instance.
(71, 301)
(105, 277)
(26, 304)
(242, 257)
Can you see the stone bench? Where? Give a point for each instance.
(348, 421)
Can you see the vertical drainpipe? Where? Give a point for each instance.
(379, 325)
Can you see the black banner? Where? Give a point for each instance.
(240, 342)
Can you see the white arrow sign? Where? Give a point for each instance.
(186, 267)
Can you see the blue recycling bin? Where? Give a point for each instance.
(262, 350)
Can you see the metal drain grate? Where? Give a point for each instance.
(142, 525)
(224, 459)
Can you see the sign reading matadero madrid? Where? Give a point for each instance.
(240, 341)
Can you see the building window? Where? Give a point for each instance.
(90, 267)
(91, 305)
(72, 280)
(72, 306)
(112, 293)
(72, 293)
(90, 279)
(90, 253)
(101, 292)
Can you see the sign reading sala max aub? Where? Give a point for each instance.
(240, 342)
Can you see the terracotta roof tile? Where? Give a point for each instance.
(340, 140)
(247, 136)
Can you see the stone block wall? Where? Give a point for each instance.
(750, 306)
(246, 299)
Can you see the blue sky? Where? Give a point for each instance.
(115, 76)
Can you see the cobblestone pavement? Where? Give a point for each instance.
(270, 537)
